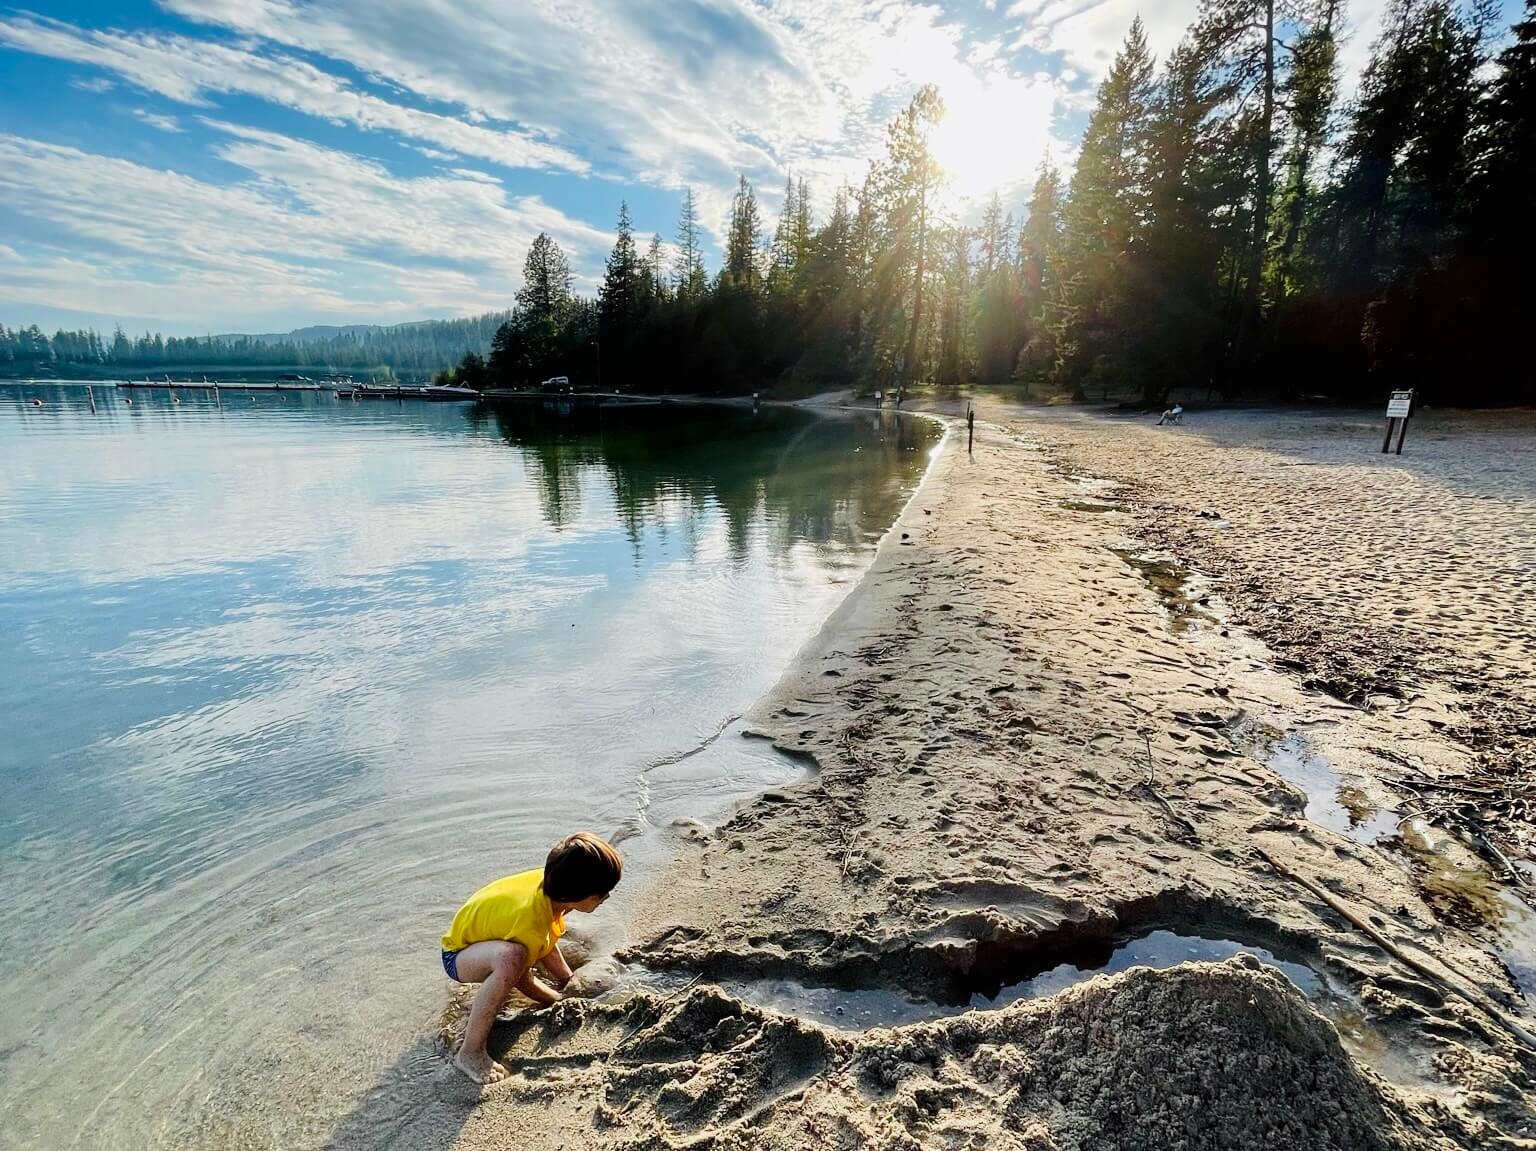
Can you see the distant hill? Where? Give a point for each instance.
(317, 332)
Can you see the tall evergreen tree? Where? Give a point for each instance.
(1309, 93)
(656, 284)
(1499, 242)
(1105, 211)
(1040, 239)
(546, 290)
(688, 266)
(802, 231)
(912, 178)
(783, 249)
(743, 238)
(621, 295)
(954, 244)
(989, 237)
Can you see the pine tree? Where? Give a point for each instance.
(1499, 245)
(1040, 238)
(743, 238)
(1408, 163)
(546, 290)
(1309, 93)
(913, 177)
(954, 342)
(688, 265)
(1105, 211)
(782, 250)
(832, 300)
(989, 237)
(1171, 306)
(1245, 35)
(656, 284)
(621, 294)
(802, 234)
(1041, 285)
(1501, 194)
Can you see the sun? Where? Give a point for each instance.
(973, 153)
(992, 137)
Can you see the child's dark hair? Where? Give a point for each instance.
(581, 866)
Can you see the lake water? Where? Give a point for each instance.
(283, 680)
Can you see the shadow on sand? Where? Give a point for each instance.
(418, 1102)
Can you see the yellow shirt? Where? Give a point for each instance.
(515, 909)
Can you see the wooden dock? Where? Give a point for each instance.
(228, 386)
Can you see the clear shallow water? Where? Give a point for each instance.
(283, 681)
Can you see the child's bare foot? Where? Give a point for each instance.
(480, 1067)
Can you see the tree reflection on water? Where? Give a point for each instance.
(832, 480)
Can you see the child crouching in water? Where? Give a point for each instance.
(516, 922)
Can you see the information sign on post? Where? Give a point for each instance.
(1399, 408)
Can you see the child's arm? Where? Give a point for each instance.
(536, 989)
(558, 968)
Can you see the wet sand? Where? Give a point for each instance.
(1062, 713)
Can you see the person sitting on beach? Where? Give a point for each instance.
(516, 922)
(1173, 415)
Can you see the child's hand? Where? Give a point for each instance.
(594, 979)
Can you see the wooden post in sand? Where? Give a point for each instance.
(1399, 407)
(970, 427)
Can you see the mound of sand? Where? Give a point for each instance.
(1202, 1057)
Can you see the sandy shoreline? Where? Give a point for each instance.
(986, 711)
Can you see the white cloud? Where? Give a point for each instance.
(156, 120)
(669, 95)
(311, 230)
(655, 92)
(1089, 32)
(189, 71)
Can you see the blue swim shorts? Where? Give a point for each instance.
(451, 965)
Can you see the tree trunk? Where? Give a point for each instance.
(1303, 165)
(1249, 322)
(909, 369)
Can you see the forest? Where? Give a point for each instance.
(404, 350)
(1232, 227)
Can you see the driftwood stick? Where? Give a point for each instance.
(1168, 808)
(1148, 786)
(1493, 849)
(1473, 995)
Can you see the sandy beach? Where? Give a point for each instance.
(1104, 682)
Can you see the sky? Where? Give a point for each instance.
(194, 166)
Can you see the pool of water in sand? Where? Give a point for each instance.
(284, 678)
